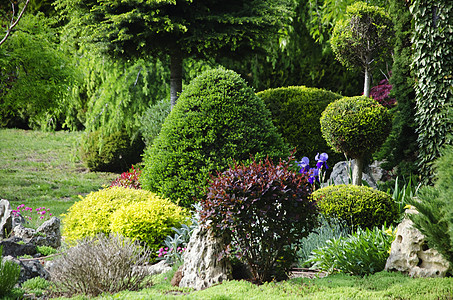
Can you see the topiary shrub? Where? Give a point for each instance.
(359, 206)
(296, 111)
(264, 209)
(137, 214)
(113, 153)
(218, 118)
(356, 126)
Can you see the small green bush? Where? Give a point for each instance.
(9, 274)
(152, 120)
(358, 206)
(355, 125)
(46, 250)
(296, 111)
(36, 286)
(113, 153)
(137, 214)
(217, 118)
(361, 253)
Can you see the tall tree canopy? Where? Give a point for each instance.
(179, 28)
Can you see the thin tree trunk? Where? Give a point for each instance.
(366, 84)
(175, 77)
(357, 171)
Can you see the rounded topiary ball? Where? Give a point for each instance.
(355, 125)
(217, 118)
(296, 111)
(356, 205)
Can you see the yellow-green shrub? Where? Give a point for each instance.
(94, 213)
(359, 206)
(149, 221)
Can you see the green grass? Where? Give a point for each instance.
(43, 169)
(381, 285)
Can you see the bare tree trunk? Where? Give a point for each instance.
(357, 171)
(175, 77)
(366, 85)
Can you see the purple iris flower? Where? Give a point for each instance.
(304, 164)
(322, 159)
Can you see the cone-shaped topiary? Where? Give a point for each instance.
(218, 118)
(355, 126)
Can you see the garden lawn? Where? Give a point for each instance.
(44, 169)
(382, 285)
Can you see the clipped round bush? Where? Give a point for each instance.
(105, 211)
(113, 153)
(150, 221)
(356, 205)
(263, 209)
(355, 125)
(296, 111)
(217, 118)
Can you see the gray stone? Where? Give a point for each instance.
(159, 268)
(16, 247)
(29, 268)
(5, 218)
(203, 265)
(24, 233)
(48, 234)
(410, 254)
(341, 171)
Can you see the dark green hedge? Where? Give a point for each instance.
(296, 111)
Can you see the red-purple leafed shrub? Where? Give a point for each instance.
(129, 179)
(264, 209)
(381, 92)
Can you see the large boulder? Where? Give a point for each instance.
(410, 254)
(6, 218)
(342, 170)
(16, 247)
(203, 265)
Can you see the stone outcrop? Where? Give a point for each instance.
(29, 269)
(6, 219)
(202, 267)
(410, 254)
(16, 247)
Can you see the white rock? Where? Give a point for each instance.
(5, 218)
(409, 254)
(202, 268)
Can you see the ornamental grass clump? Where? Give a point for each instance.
(361, 253)
(9, 274)
(263, 209)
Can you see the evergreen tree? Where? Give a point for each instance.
(181, 29)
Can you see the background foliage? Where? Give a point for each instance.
(433, 67)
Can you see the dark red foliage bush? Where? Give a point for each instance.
(129, 179)
(381, 92)
(264, 209)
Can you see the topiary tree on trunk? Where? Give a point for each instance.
(362, 38)
(356, 126)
